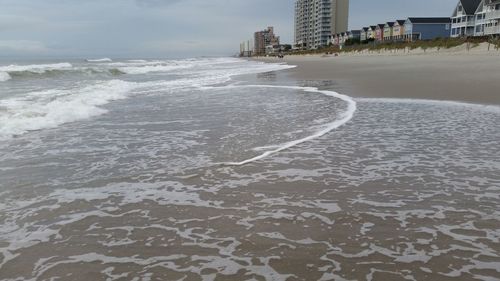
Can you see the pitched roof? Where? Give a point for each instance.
(381, 25)
(365, 28)
(400, 22)
(390, 23)
(470, 6)
(372, 27)
(429, 20)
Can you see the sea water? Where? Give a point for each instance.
(226, 169)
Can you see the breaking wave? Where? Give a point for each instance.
(51, 108)
(50, 70)
(4, 76)
(44, 109)
(35, 68)
(99, 60)
(8, 72)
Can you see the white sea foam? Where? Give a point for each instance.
(49, 109)
(6, 72)
(4, 76)
(228, 66)
(144, 69)
(344, 118)
(99, 60)
(473, 106)
(35, 68)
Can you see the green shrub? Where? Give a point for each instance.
(371, 45)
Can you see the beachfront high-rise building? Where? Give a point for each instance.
(263, 39)
(317, 20)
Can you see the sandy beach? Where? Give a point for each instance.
(457, 76)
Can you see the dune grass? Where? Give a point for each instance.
(438, 43)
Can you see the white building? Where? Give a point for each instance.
(476, 18)
(490, 19)
(317, 20)
(463, 20)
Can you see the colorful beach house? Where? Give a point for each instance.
(427, 28)
(371, 32)
(388, 30)
(379, 32)
(364, 34)
(343, 37)
(463, 20)
(354, 35)
(335, 39)
(398, 30)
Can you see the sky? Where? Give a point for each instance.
(167, 28)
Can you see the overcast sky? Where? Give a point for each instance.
(167, 28)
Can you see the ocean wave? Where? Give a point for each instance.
(99, 60)
(35, 68)
(137, 61)
(4, 76)
(10, 71)
(49, 109)
(13, 74)
(135, 67)
(153, 68)
(219, 66)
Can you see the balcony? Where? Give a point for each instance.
(492, 30)
(464, 24)
(493, 15)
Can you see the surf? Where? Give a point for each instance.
(51, 107)
(99, 60)
(10, 71)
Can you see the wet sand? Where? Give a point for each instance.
(404, 190)
(469, 78)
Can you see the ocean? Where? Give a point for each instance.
(228, 169)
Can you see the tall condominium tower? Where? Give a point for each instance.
(316, 20)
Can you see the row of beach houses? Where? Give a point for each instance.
(469, 18)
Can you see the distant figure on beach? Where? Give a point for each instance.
(281, 56)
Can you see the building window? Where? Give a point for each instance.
(447, 27)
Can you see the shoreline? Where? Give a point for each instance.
(452, 77)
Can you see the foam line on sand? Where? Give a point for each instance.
(344, 118)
